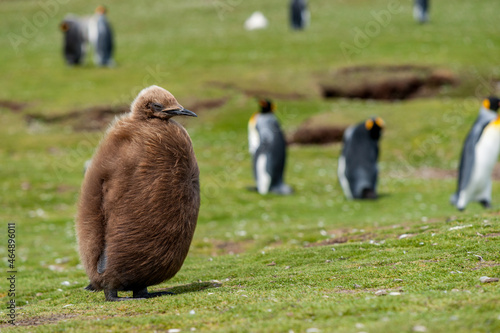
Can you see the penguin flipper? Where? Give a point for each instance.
(102, 262)
(91, 287)
(467, 159)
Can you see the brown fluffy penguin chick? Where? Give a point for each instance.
(139, 200)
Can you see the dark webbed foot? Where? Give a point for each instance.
(112, 295)
(90, 287)
(368, 194)
(485, 203)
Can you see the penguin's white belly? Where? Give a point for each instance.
(253, 139)
(344, 183)
(485, 156)
(263, 178)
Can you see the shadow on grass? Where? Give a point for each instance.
(192, 287)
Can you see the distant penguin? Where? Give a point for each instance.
(267, 145)
(299, 15)
(74, 40)
(357, 165)
(139, 200)
(421, 10)
(479, 155)
(101, 37)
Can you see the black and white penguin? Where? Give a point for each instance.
(299, 15)
(479, 155)
(101, 37)
(421, 10)
(267, 145)
(74, 40)
(357, 165)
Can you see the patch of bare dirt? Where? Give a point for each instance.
(90, 119)
(97, 118)
(13, 105)
(386, 82)
(37, 321)
(309, 134)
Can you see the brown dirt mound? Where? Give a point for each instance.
(97, 118)
(386, 82)
(13, 105)
(308, 134)
(91, 119)
(37, 321)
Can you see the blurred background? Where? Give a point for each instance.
(355, 59)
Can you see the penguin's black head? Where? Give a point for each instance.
(156, 102)
(374, 126)
(266, 106)
(491, 103)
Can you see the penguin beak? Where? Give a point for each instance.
(180, 112)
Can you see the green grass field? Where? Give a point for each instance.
(310, 262)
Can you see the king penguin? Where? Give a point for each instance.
(101, 37)
(299, 15)
(421, 10)
(357, 165)
(479, 155)
(74, 40)
(139, 199)
(267, 146)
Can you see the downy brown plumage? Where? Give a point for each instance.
(140, 198)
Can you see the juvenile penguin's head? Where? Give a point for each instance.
(491, 103)
(266, 106)
(156, 102)
(375, 126)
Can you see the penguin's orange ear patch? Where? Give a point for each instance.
(262, 103)
(64, 27)
(369, 124)
(486, 104)
(273, 106)
(253, 119)
(101, 10)
(380, 122)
